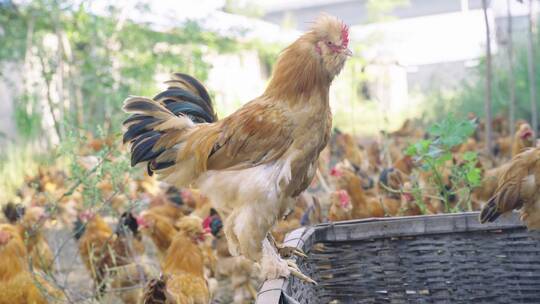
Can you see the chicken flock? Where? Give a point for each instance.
(271, 167)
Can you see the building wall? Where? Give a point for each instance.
(355, 11)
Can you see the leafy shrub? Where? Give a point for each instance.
(450, 174)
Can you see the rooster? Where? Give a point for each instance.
(253, 163)
(517, 189)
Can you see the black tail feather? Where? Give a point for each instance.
(142, 106)
(197, 85)
(172, 95)
(185, 96)
(195, 113)
(143, 148)
(139, 128)
(489, 212)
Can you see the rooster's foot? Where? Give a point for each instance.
(289, 251)
(286, 251)
(295, 271)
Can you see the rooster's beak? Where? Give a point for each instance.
(348, 52)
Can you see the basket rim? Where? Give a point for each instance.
(272, 291)
(373, 228)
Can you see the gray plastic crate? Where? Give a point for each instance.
(448, 258)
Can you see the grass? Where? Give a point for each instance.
(16, 162)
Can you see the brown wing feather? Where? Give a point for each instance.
(256, 134)
(513, 189)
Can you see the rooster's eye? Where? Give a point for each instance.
(329, 42)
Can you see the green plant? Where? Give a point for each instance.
(452, 176)
(110, 165)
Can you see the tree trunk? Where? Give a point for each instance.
(531, 70)
(47, 76)
(511, 84)
(487, 104)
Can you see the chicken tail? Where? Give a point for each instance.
(158, 126)
(13, 212)
(489, 212)
(155, 292)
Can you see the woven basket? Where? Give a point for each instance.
(449, 258)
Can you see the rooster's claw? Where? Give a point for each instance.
(295, 271)
(288, 251)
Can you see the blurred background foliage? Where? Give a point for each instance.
(86, 65)
(101, 60)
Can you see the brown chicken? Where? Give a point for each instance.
(391, 181)
(291, 220)
(94, 238)
(29, 222)
(351, 150)
(522, 139)
(408, 202)
(363, 206)
(198, 203)
(159, 229)
(503, 147)
(405, 165)
(374, 156)
(507, 146)
(389, 188)
(470, 145)
(340, 208)
(195, 226)
(166, 209)
(18, 285)
(518, 188)
(109, 256)
(127, 276)
(285, 226)
(489, 183)
(253, 163)
(183, 279)
(234, 274)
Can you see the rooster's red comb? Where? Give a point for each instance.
(345, 35)
(336, 172)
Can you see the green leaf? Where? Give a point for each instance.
(474, 177)
(470, 156)
(411, 150)
(450, 132)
